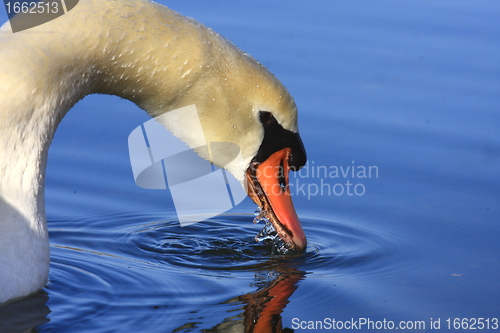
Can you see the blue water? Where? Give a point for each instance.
(408, 88)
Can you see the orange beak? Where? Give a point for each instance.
(268, 187)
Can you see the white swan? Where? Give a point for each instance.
(160, 60)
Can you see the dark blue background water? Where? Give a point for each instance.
(409, 88)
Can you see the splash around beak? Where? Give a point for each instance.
(267, 185)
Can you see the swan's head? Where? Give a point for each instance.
(239, 103)
(247, 106)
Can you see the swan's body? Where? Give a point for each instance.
(140, 51)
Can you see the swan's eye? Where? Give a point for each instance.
(265, 117)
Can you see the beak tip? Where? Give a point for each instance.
(300, 242)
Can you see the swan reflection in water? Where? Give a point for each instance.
(261, 309)
(25, 315)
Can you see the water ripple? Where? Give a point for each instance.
(119, 267)
(225, 243)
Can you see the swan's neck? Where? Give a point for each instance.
(44, 72)
(30, 111)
